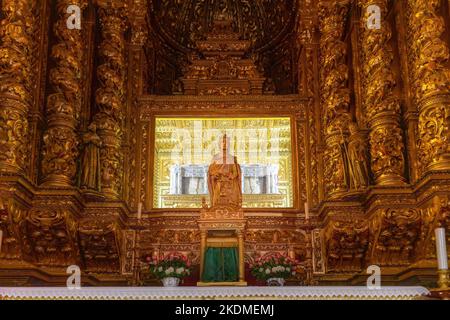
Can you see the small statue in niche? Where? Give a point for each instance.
(90, 162)
(269, 86)
(177, 87)
(357, 157)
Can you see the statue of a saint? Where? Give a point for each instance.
(90, 162)
(224, 178)
(357, 157)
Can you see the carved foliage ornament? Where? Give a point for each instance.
(60, 149)
(381, 105)
(346, 245)
(394, 234)
(431, 82)
(17, 30)
(110, 97)
(335, 94)
(49, 237)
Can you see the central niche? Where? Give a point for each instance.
(184, 148)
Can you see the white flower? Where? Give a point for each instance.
(261, 269)
(282, 268)
(170, 270)
(293, 273)
(180, 270)
(160, 269)
(267, 271)
(274, 269)
(288, 269)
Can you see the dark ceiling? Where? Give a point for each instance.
(264, 22)
(178, 24)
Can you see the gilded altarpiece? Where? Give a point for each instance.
(368, 116)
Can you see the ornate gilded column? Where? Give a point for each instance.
(430, 78)
(110, 95)
(381, 105)
(60, 149)
(16, 85)
(335, 94)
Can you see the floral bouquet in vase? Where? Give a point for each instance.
(274, 268)
(171, 269)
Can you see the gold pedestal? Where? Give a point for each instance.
(222, 227)
(443, 292)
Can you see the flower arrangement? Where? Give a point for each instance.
(174, 265)
(274, 265)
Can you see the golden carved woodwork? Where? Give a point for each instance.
(380, 103)
(335, 93)
(394, 234)
(187, 21)
(12, 216)
(430, 82)
(61, 141)
(17, 31)
(360, 102)
(100, 240)
(110, 96)
(50, 237)
(346, 245)
(223, 70)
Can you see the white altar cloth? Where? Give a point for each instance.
(202, 293)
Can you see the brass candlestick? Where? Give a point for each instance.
(444, 279)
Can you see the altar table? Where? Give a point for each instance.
(213, 293)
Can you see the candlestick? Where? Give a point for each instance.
(306, 211)
(441, 249)
(139, 213)
(1, 239)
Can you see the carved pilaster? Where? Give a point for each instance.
(17, 31)
(430, 77)
(380, 103)
(139, 35)
(335, 93)
(60, 149)
(309, 87)
(110, 96)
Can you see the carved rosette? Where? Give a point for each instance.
(335, 93)
(60, 149)
(17, 54)
(110, 96)
(430, 77)
(380, 103)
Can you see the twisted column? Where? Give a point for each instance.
(16, 82)
(430, 78)
(380, 103)
(60, 149)
(335, 93)
(110, 96)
